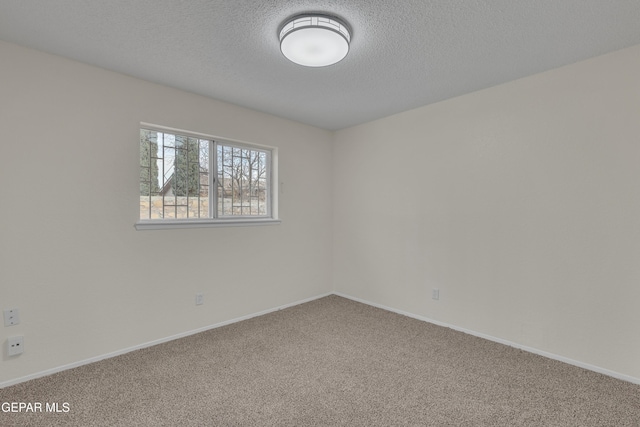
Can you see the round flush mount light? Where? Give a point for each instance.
(315, 40)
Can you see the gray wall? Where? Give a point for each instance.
(521, 203)
(85, 281)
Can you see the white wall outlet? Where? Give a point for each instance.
(199, 299)
(435, 294)
(15, 345)
(11, 317)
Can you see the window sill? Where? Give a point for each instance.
(164, 224)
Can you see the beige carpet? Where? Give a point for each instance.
(329, 362)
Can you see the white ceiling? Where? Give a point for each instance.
(404, 53)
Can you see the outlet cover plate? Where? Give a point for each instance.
(11, 317)
(15, 345)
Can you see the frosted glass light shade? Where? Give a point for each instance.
(315, 40)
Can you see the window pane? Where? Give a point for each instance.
(148, 170)
(145, 150)
(168, 140)
(242, 181)
(169, 212)
(174, 175)
(181, 208)
(156, 207)
(174, 178)
(204, 207)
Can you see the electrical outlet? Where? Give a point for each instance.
(199, 299)
(15, 345)
(11, 317)
(435, 294)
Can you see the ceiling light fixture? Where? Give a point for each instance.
(315, 40)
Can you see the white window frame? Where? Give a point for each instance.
(213, 221)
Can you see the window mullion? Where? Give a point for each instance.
(268, 184)
(164, 157)
(213, 179)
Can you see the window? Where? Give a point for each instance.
(189, 180)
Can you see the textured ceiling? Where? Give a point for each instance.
(404, 53)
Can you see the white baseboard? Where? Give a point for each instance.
(152, 343)
(249, 316)
(500, 341)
